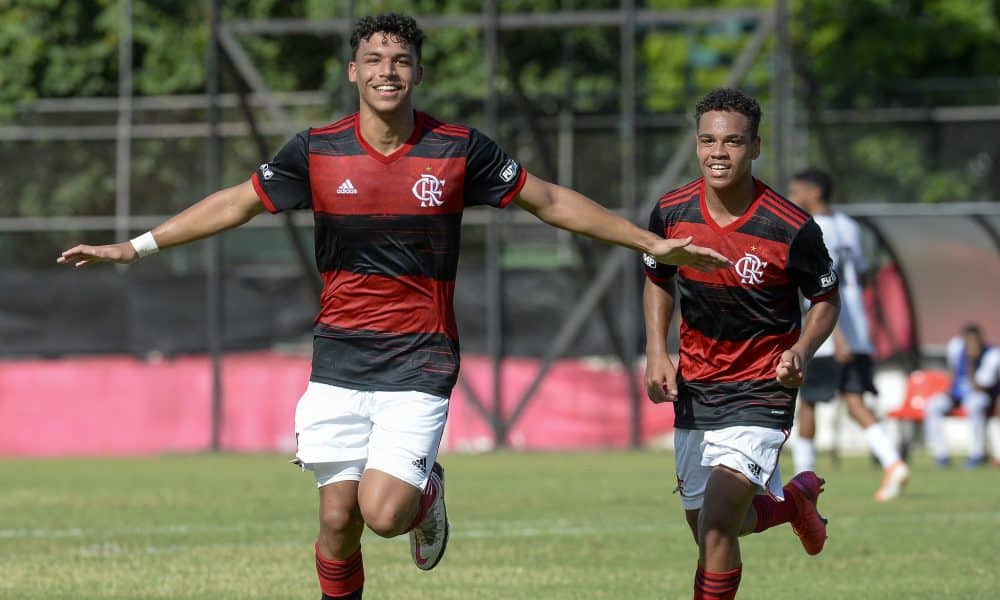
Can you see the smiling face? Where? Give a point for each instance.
(385, 69)
(726, 148)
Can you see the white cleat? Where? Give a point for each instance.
(893, 482)
(429, 539)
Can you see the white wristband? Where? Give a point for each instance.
(145, 244)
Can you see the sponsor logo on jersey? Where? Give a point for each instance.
(649, 260)
(265, 170)
(509, 171)
(429, 189)
(750, 268)
(347, 188)
(828, 280)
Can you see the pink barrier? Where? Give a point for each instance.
(123, 406)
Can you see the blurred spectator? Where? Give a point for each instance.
(842, 366)
(987, 379)
(967, 355)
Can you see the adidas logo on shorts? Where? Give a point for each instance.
(421, 464)
(347, 188)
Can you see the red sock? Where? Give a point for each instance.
(771, 512)
(428, 497)
(716, 586)
(340, 578)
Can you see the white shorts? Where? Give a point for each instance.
(752, 451)
(341, 432)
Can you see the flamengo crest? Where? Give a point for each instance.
(750, 268)
(429, 189)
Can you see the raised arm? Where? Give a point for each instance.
(564, 208)
(225, 209)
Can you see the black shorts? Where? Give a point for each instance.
(825, 377)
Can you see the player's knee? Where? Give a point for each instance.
(338, 520)
(386, 520)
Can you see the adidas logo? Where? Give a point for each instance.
(347, 188)
(421, 464)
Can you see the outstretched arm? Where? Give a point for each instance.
(820, 321)
(570, 210)
(225, 209)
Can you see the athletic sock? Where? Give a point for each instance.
(771, 512)
(426, 500)
(341, 579)
(716, 586)
(804, 454)
(883, 448)
(993, 432)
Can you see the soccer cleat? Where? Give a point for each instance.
(429, 539)
(893, 482)
(805, 489)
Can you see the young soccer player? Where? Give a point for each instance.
(843, 364)
(743, 347)
(387, 186)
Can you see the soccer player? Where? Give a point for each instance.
(743, 347)
(966, 356)
(843, 364)
(387, 186)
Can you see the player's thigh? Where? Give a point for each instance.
(406, 434)
(727, 498)
(338, 502)
(332, 426)
(691, 474)
(751, 451)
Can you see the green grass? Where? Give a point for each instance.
(534, 526)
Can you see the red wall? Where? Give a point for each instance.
(116, 405)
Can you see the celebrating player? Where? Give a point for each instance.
(743, 348)
(843, 364)
(387, 186)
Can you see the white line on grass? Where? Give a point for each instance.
(472, 529)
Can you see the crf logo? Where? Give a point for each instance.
(750, 268)
(428, 189)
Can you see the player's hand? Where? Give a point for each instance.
(790, 372)
(83, 255)
(682, 252)
(661, 379)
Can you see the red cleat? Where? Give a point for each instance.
(804, 490)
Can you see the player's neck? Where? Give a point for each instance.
(729, 204)
(822, 209)
(386, 132)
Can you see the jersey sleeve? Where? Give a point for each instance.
(491, 176)
(810, 266)
(658, 273)
(283, 183)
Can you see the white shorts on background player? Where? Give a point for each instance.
(752, 451)
(342, 432)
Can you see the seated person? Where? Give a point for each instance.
(965, 356)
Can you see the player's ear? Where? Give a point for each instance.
(755, 152)
(352, 72)
(420, 75)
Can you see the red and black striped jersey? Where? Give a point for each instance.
(387, 241)
(736, 322)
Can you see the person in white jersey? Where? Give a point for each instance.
(843, 364)
(970, 361)
(987, 379)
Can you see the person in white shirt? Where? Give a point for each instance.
(987, 379)
(973, 388)
(843, 364)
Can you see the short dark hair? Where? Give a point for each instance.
(972, 329)
(730, 100)
(819, 178)
(400, 27)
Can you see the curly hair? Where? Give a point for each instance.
(730, 100)
(400, 28)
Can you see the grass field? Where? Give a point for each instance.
(594, 525)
